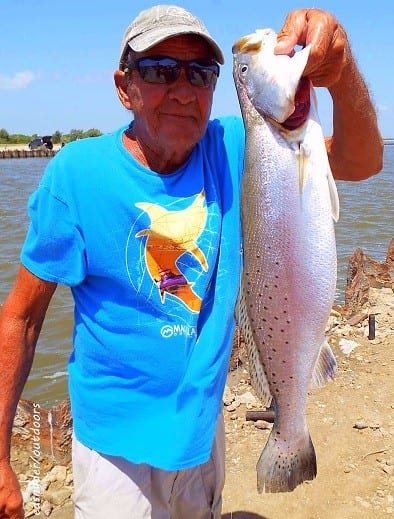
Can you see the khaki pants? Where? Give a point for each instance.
(109, 487)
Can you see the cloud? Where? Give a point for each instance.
(19, 80)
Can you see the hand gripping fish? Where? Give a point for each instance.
(289, 205)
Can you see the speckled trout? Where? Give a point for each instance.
(289, 205)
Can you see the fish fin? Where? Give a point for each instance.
(333, 196)
(325, 367)
(302, 154)
(281, 468)
(256, 371)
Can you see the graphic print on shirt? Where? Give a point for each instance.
(170, 237)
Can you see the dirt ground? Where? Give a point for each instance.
(351, 421)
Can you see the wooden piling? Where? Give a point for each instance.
(14, 153)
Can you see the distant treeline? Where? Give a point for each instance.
(57, 137)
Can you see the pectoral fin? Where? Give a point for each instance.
(333, 196)
(325, 366)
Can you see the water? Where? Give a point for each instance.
(366, 221)
(47, 383)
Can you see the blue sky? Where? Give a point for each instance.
(57, 57)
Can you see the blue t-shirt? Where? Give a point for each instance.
(153, 262)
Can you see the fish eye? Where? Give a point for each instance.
(243, 68)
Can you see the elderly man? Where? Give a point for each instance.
(143, 225)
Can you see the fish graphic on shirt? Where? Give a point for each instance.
(171, 235)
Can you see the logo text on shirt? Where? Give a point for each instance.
(168, 331)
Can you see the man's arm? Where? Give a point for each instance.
(21, 320)
(355, 149)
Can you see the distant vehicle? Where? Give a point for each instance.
(36, 143)
(41, 141)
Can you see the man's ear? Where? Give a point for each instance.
(121, 84)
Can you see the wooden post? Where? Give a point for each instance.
(371, 327)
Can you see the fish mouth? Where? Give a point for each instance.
(247, 44)
(302, 102)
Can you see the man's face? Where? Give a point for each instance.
(175, 115)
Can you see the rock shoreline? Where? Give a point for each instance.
(41, 439)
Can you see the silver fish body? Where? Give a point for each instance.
(289, 204)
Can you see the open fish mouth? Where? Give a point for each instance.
(302, 102)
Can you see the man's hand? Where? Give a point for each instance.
(330, 51)
(355, 150)
(11, 502)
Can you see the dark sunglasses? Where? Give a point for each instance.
(165, 70)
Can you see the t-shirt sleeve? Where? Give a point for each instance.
(54, 247)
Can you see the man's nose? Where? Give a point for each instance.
(182, 89)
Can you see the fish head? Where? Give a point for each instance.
(267, 80)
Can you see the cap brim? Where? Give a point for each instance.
(149, 39)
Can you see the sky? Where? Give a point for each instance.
(57, 57)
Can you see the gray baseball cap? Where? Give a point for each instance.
(160, 22)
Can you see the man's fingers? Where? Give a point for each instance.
(293, 32)
(327, 39)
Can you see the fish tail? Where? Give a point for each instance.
(282, 469)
